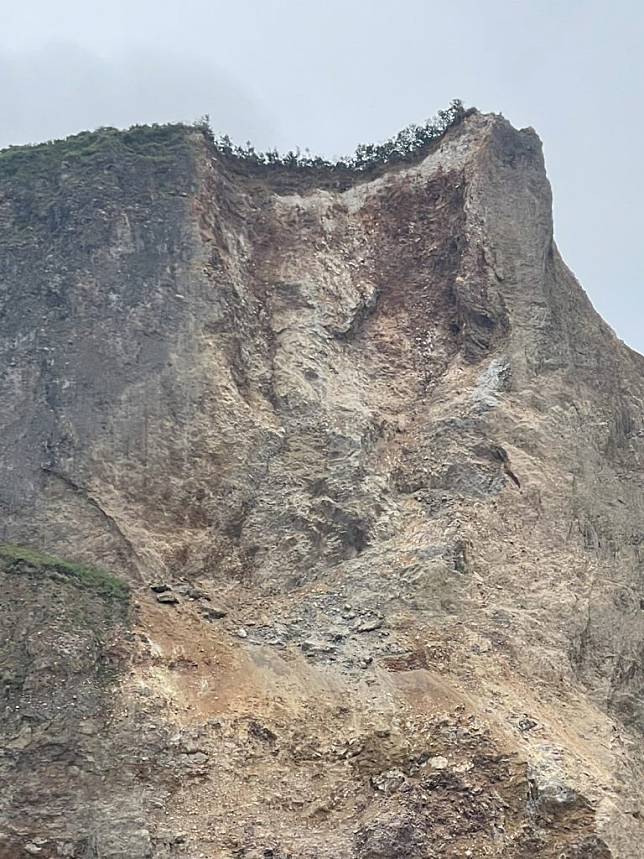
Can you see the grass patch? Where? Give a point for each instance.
(91, 578)
(157, 143)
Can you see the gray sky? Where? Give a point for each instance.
(330, 74)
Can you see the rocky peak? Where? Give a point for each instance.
(371, 465)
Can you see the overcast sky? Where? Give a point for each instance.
(330, 74)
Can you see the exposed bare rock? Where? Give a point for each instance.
(373, 469)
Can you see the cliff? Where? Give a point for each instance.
(372, 468)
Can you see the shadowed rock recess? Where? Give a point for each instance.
(372, 469)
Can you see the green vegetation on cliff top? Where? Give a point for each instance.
(161, 144)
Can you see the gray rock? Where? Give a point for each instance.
(389, 781)
(369, 625)
(120, 839)
(313, 647)
(212, 612)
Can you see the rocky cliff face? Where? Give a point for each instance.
(373, 469)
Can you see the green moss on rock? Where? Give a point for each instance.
(23, 559)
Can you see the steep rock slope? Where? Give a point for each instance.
(383, 464)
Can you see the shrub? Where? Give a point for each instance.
(405, 145)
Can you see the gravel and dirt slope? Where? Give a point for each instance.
(373, 470)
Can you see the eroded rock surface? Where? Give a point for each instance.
(373, 468)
